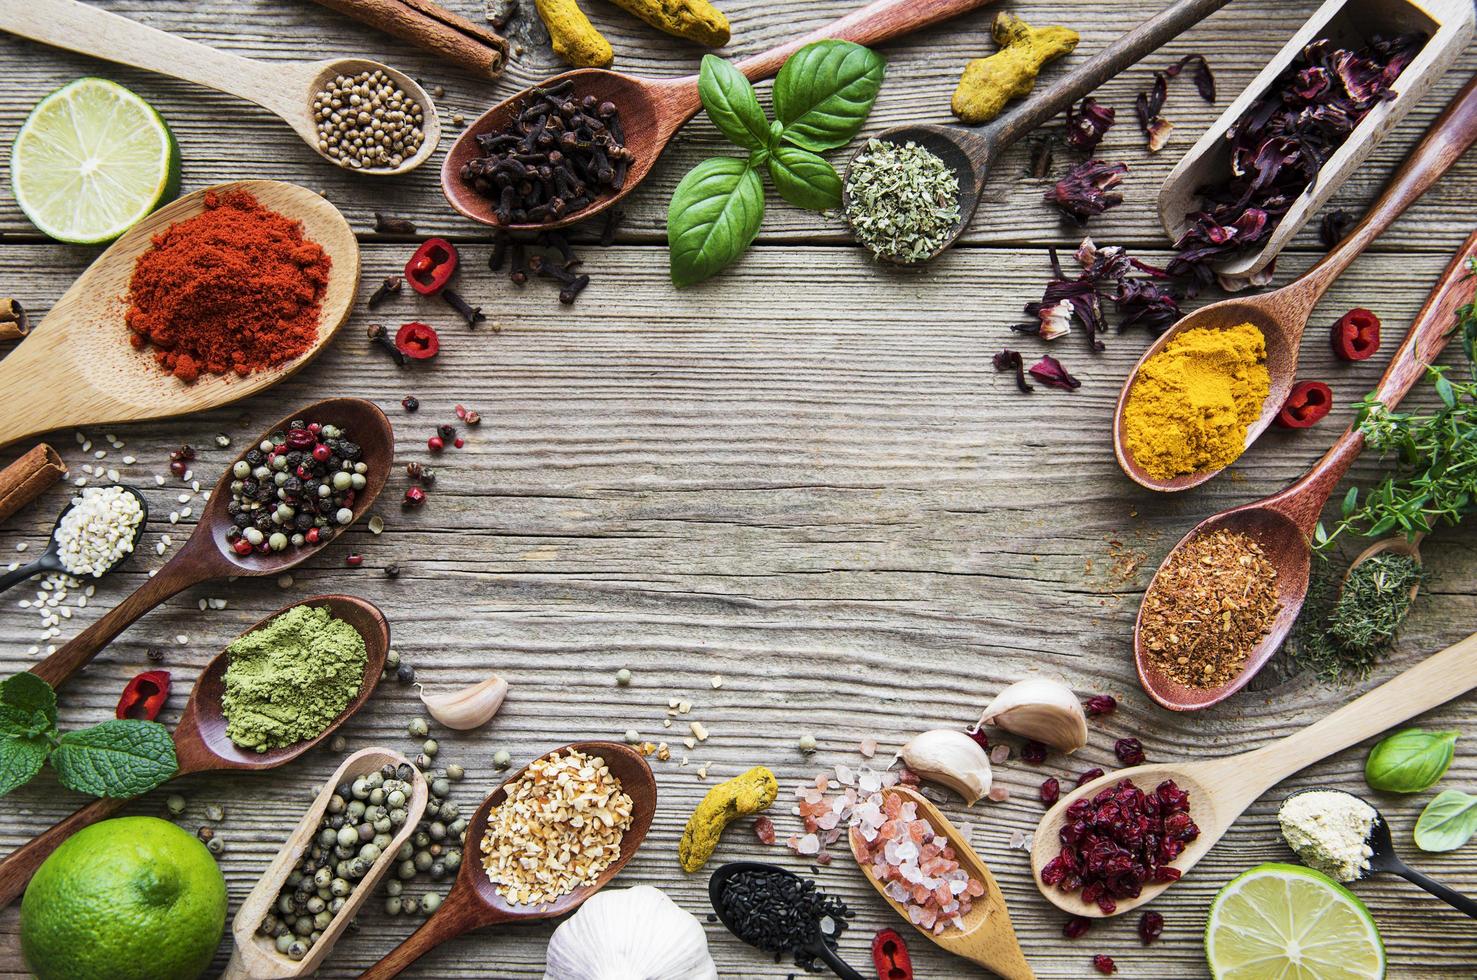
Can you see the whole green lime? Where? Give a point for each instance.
(135, 898)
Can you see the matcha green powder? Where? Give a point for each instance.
(289, 680)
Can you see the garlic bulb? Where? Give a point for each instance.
(469, 707)
(951, 757)
(630, 934)
(1041, 709)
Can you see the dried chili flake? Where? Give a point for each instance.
(1049, 371)
(1088, 124)
(1008, 360)
(1087, 189)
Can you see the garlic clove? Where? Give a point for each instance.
(1041, 709)
(469, 707)
(950, 757)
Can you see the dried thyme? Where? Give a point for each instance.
(1347, 627)
(902, 200)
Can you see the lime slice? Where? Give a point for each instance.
(1284, 922)
(91, 160)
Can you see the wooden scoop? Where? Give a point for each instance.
(987, 937)
(473, 901)
(1398, 545)
(1282, 314)
(1283, 523)
(652, 110)
(1221, 789)
(255, 956)
(77, 366)
(50, 560)
(284, 88)
(972, 153)
(205, 554)
(200, 740)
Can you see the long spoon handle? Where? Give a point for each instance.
(1152, 34)
(456, 915)
(872, 24)
(20, 864)
(12, 579)
(1450, 896)
(92, 31)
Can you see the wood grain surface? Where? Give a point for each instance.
(803, 477)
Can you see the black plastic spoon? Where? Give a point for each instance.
(50, 560)
(1384, 858)
(817, 948)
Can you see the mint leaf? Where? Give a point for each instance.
(730, 102)
(21, 757)
(804, 179)
(825, 92)
(119, 758)
(27, 706)
(714, 215)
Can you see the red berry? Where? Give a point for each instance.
(457, 442)
(435, 444)
(242, 546)
(311, 536)
(1151, 925)
(1100, 704)
(414, 497)
(1129, 751)
(1051, 791)
(1104, 964)
(321, 452)
(1034, 752)
(1076, 927)
(354, 561)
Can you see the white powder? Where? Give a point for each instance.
(1329, 831)
(97, 531)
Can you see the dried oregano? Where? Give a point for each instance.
(902, 200)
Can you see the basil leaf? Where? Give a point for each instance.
(27, 706)
(1410, 761)
(714, 215)
(804, 179)
(730, 102)
(825, 91)
(21, 757)
(1447, 822)
(119, 758)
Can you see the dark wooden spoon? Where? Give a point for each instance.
(1282, 314)
(200, 740)
(50, 560)
(971, 153)
(1283, 523)
(205, 555)
(816, 948)
(652, 110)
(473, 901)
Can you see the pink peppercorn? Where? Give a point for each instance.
(435, 444)
(1104, 964)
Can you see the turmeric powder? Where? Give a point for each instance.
(696, 20)
(989, 83)
(1191, 403)
(575, 39)
(755, 790)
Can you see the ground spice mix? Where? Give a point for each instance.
(1208, 608)
(235, 288)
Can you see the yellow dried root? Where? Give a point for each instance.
(755, 790)
(575, 38)
(989, 83)
(695, 20)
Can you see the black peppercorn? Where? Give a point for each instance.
(410, 403)
(405, 674)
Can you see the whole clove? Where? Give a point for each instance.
(380, 337)
(385, 224)
(499, 254)
(472, 314)
(613, 219)
(571, 290)
(519, 275)
(390, 287)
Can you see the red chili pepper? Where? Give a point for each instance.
(431, 266)
(890, 956)
(1356, 335)
(1306, 405)
(144, 696)
(417, 340)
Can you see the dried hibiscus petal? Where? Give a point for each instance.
(1049, 371)
(1007, 360)
(1087, 126)
(1087, 189)
(1151, 101)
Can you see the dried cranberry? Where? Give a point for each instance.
(980, 738)
(1151, 925)
(1104, 964)
(1034, 752)
(1051, 791)
(1129, 751)
(1089, 776)
(1076, 927)
(1099, 705)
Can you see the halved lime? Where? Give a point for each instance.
(91, 160)
(1284, 922)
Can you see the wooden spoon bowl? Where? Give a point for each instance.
(205, 555)
(200, 740)
(77, 366)
(474, 902)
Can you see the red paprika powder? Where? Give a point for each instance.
(235, 288)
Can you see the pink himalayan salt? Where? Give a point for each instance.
(918, 867)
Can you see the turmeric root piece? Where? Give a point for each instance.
(1009, 73)
(575, 39)
(696, 20)
(755, 790)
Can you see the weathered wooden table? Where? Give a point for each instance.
(803, 477)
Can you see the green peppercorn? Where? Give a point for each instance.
(392, 659)
(418, 728)
(405, 870)
(453, 860)
(410, 905)
(284, 943)
(441, 787)
(807, 743)
(623, 677)
(423, 861)
(502, 760)
(455, 773)
(430, 747)
(393, 905)
(216, 845)
(431, 902)
(339, 744)
(175, 804)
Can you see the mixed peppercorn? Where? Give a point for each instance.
(295, 488)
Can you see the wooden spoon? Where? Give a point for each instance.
(1284, 522)
(77, 366)
(652, 110)
(473, 901)
(1282, 314)
(255, 956)
(987, 937)
(1221, 789)
(50, 560)
(205, 554)
(1397, 545)
(972, 153)
(200, 740)
(284, 88)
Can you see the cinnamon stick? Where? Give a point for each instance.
(434, 28)
(13, 322)
(28, 477)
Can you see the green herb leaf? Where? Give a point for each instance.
(1447, 822)
(825, 92)
(804, 179)
(27, 706)
(1410, 761)
(730, 102)
(1351, 500)
(1444, 389)
(1320, 533)
(119, 758)
(21, 757)
(714, 215)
